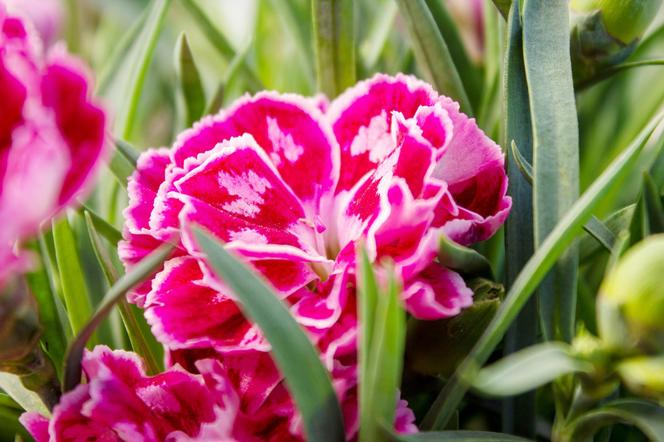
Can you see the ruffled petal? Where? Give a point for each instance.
(437, 292)
(288, 128)
(361, 121)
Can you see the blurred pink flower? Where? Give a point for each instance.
(469, 17)
(51, 133)
(120, 402)
(45, 15)
(292, 189)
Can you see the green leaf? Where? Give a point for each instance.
(379, 32)
(521, 162)
(74, 288)
(103, 227)
(546, 44)
(646, 416)
(518, 412)
(385, 362)
(598, 230)
(367, 300)
(615, 69)
(307, 380)
(140, 272)
(138, 61)
(335, 47)
(532, 274)
(460, 436)
(52, 334)
(129, 152)
(27, 399)
(528, 369)
(652, 204)
(189, 80)
(462, 259)
(432, 53)
(217, 99)
(616, 222)
(503, 6)
(223, 47)
(142, 341)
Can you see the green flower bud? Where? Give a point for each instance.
(605, 33)
(20, 352)
(630, 305)
(624, 20)
(601, 381)
(643, 376)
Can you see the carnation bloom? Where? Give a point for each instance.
(121, 403)
(51, 133)
(46, 15)
(291, 184)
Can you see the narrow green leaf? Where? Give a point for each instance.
(138, 61)
(385, 362)
(335, 46)
(521, 162)
(52, 335)
(432, 53)
(468, 72)
(109, 73)
(28, 400)
(367, 300)
(142, 341)
(532, 274)
(503, 6)
(190, 85)
(220, 43)
(380, 30)
(217, 99)
(103, 227)
(120, 167)
(616, 69)
(519, 412)
(129, 152)
(646, 416)
(652, 204)
(143, 269)
(616, 222)
(452, 436)
(74, 288)
(600, 232)
(463, 259)
(528, 369)
(296, 22)
(307, 380)
(546, 44)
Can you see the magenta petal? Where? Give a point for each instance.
(436, 293)
(142, 188)
(290, 131)
(36, 424)
(361, 120)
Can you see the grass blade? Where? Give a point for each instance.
(600, 232)
(190, 86)
(27, 399)
(74, 288)
(546, 43)
(432, 53)
(307, 380)
(103, 227)
(532, 274)
(138, 60)
(335, 46)
(519, 413)
(528, 369)
(220, 43)
(129, 152)
(652, 204)
(452, 436)
(141, 339)
(75, 353)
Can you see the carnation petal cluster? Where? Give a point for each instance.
(291, 184)
(51, 133)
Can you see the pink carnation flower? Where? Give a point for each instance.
(51, 133)
(292, 189)
(121, 403)
(46, 15)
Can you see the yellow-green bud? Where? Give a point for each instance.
(630, 305)
(624, 20)
(643, 376)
